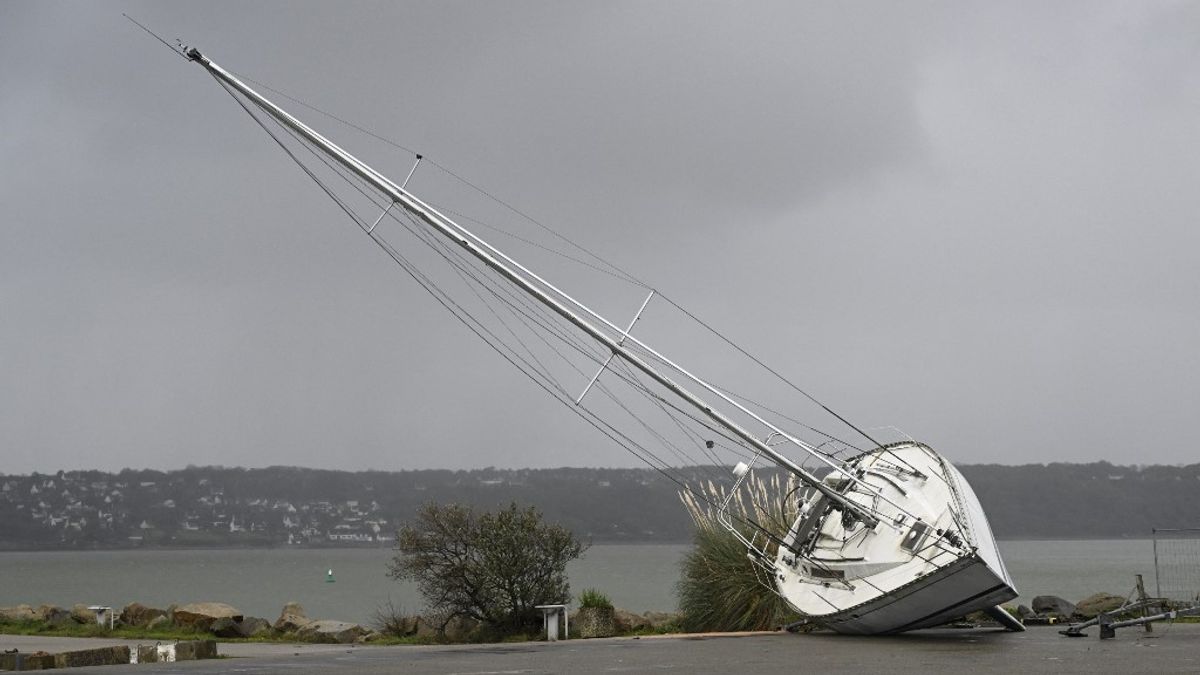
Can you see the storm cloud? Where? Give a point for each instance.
(974, 221)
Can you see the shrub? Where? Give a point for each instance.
(390, 620)
(721, 588)
(591, 597)
(494, 568)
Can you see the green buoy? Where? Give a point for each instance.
(329, 576)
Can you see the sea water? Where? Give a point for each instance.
(637, 577)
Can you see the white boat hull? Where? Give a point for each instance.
(864, 581)
(961, 588)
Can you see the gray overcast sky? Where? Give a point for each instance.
(975, 221)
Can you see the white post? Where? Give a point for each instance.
(103, 612)
(550, 615)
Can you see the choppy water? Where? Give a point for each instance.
(636, 577)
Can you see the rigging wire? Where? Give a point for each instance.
(539, 373)
(177, 49)
(630, 378)
(342, 204)
(362, 224)
(622, 274)
(420, 233)
(786, 381)
(617, 271)
(682, 455)
(645, 390)
(528, 242)
(492, 340)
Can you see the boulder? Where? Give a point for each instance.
(1093, 605)
(158, 622)
(1024, 612)
(81, 614)
(595, 622)
(658, 620)
(225, 627)
(1052, 605)
(137, 614)
(627, 621)
(53, 615)
(18, 613)
(326, 630)
(291, 619)
(202, 615)
(372, 636)
(253, 626)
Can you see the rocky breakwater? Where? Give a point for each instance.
(294, 622)
(225, 621)
(216, 619)
(47, 614)
(1051, 609)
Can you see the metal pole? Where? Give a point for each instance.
(411, 172)
(361, 168)
(1141, 593)
(612, 356)
(385, 212)
(1157, 576)
(807, 447)
(382, 183)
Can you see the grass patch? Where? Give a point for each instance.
(592, 598)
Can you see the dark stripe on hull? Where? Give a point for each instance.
(968, 583)
(949, 608)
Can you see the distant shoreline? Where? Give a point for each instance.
(207, 507)
(281, 547)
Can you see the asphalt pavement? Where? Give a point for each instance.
(1169, 649)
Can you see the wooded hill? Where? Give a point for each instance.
(216, 506)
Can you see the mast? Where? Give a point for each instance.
(491, 257)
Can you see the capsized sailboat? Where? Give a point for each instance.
(887, 537)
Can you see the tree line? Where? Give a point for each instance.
(1096, 500)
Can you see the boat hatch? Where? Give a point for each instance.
(915, 537)
(817, 572)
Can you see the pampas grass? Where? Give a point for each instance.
(721, 588)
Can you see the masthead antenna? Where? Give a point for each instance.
(178, 48)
